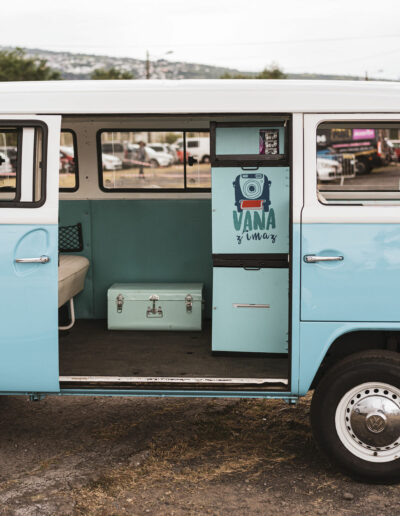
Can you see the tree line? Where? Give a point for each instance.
(15, 65)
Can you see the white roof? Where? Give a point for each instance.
(199, 96)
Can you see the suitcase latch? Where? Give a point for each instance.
(120, 302)
(152, 311)
(189, 303)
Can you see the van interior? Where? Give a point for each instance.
(150, 218)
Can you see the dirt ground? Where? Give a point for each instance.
(115, 456)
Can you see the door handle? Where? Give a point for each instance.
(312, 258)
(41, 259)
(249, 305)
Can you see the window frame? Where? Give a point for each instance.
(314, 212)
(76, 161)
(355, 200)
(21, 124)
(185, 189)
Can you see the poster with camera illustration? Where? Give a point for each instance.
(269, 142)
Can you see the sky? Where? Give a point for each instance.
(318, 36)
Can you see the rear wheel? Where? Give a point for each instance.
(355, 415)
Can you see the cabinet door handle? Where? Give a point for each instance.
(249, 305)
(311, 258)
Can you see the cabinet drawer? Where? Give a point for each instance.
(250, 310)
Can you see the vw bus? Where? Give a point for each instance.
(240, 276)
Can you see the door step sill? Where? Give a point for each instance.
(183, 382)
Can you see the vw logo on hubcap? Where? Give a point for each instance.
(376, 422)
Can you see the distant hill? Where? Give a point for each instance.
(80, 66)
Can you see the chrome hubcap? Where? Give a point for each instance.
(374, 418)
(368, 421)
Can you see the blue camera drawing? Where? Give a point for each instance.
(252, 192)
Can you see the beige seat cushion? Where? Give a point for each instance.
(71, 276)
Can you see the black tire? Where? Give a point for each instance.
(154, 163)
(363, 167)
(205, 159)
(378, 366)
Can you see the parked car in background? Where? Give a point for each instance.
(5, 164)
(395, 145)
(12, 156)
(67, 162)
(199, 148)
(113, 149)
(153, 158)
(335, 166)
(111, 162)
(328, 169)
(165, 147)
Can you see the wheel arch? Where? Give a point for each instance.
(354, 341)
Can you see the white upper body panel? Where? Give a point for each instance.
(199, 96)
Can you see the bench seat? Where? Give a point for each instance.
(72, 271)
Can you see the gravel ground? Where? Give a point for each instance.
(115, 456)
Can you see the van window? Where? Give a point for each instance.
(153, 160)
(22, 164)
(68, 167)
(358, 163)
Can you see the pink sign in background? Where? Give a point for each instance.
(361, 134)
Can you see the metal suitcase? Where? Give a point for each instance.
(155, 306)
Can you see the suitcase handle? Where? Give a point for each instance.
(152, 311)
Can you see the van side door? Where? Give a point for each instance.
(29, 163)
(350, 270)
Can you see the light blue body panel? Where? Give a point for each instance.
(243, 140)
(28, 308)
(317, 337)
(364, 286)
(359, 293)
(170, 310)
(250, 329)
(251, 230)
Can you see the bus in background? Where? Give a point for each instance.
(369, 146)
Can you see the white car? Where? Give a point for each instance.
(154, 158)
(199, 148)
(166, 148)
(111, 162)
(5, 164)
(328, 169)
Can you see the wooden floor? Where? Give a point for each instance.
(89, 349)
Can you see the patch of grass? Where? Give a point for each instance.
(245, 438)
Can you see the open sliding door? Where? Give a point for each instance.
(29, 161)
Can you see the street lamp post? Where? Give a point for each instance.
(148, 73)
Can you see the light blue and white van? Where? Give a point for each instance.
(300, 279)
